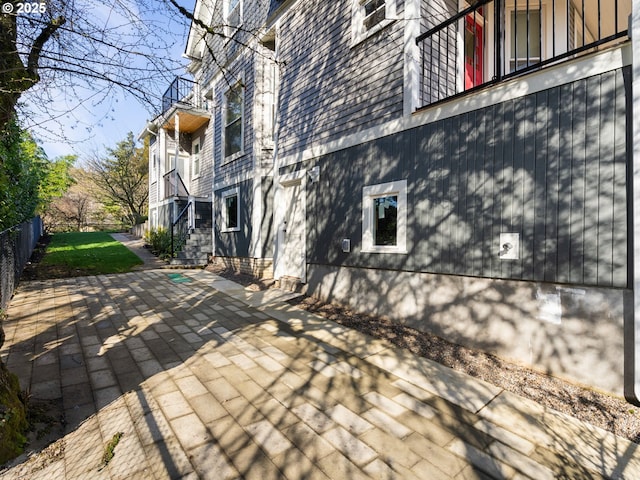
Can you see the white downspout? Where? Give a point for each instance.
(632, 332)
(212, 126)
(176, 135)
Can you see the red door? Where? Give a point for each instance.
(473, 50)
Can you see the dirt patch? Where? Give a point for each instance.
(34, 270)
(597, 408)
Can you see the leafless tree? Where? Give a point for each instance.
(85, 49)
(121, 177)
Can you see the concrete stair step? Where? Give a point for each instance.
(193, 253)
(188, 262)
(199, 236)
(196, 249)
(291, 284)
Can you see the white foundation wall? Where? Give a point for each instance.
(573, 332)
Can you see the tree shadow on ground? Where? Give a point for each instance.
(598, 408)
(200, 382)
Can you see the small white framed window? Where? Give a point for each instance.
(195, 159)
(384, 218)
(234, 122)
(231, 210)
(369, 17)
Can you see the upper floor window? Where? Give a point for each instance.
(233, 123)
(154, 167)
(374, 13)
(233, 15)
(370, 16)
(526, 39)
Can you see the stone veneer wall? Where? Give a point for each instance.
(257, 267)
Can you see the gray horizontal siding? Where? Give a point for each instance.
(438, 53)
(222, 52)
(329, 88)
(226, 171)
(202, 185)
(551, 166)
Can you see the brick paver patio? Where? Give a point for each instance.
(208, 380)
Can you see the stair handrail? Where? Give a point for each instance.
(176, 186)
(180, 227)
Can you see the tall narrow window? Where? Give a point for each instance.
(385, 214)
(154, 167)
(374, 13)
(525, 39)
(233, 131)
(195, 159)
(233, 16)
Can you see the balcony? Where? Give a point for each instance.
(184, 99)
(174, 185)
(493, 40)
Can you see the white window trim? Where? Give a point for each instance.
(154, 167)
(174, 166)
(489, 53)
(226, 194)
(358, 31)
(230, 158)
(229, 29)
(546, 19)
(371, 192)
(195, 175)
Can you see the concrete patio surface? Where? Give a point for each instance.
(205, 379)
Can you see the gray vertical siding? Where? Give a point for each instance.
(551, 166)
(266, 222)
(234, 244)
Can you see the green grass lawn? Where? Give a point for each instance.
(88, 253)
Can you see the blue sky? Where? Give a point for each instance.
(89, 121)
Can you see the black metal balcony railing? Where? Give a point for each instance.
(493, 40)
(174, 185)
(181, 91)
